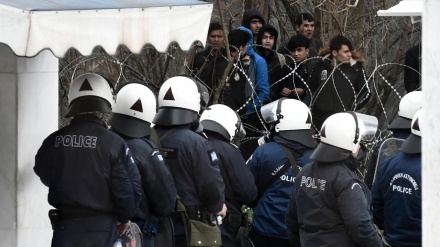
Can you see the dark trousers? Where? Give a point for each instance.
(262, 241)
(179, 230)
(228, 238)
(96, 231)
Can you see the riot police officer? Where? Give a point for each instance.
(397, 191)
(223, 126)
(131, 118)
(275, 165)
(330, 205)
(92, 179)
(400, 126)
(193, 162)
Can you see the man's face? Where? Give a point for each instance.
(306, 28)
(255, 25)
(342, 55)
(300, 54)
(216, 38)
(268, 40)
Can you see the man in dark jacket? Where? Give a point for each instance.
(277, 71)
(337, 81)
(92, 179)
(275, 184)
(247, 87)
(330, 205)
(397, 191)
(222, 126)
(131, 118)
(300, 67)
(305, 25)
(204, 64)
(253, 20)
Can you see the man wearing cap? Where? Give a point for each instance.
(397, 192)
(330, 205)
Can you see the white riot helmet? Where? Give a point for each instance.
(408, 106)
(340, 136)
(413, 144)
(293, 120)
(180, 100)
(134, 110)
(224, 121)
(90, 93)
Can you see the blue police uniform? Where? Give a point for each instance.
(397, 194)
(194, 166)
(330, 206)
(239, 186)
(269, 213)
(159, 197)
(92, 180)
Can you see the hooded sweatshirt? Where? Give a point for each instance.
(261, 82)
(248, 16)
(276, 70)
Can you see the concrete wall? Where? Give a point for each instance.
(29, 112)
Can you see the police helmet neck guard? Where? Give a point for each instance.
(129, 126)
(174, 116)
(215, 127)
(88, 104)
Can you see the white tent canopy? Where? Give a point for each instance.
(404, 8)
(32, 32)
(29, 26)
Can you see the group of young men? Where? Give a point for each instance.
(329, 83)
(187, 167)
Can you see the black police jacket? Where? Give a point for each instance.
(159, 197)
(239, 182)
(89, 168)
(194, 166)
(330, 206)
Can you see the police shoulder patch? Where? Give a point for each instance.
(159, 156)
(170, 153)
(214, 158)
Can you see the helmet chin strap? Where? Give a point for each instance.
(356, 136)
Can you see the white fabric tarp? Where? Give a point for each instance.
(29, 32)
(404, 8)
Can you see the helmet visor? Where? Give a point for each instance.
(269, 111)
(204, 95)
(370, 123)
